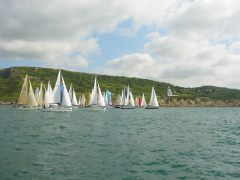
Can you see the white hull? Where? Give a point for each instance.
(57, 109)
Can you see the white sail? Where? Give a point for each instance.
(143, 102)
(126, 98)
(153, 100)
(121, 100)
(36, 93)
(40, 96)
(66, 102)
(83, 100)
(93, 97)
(48, 99)
(24, 92)
(57, 89)
(72, 96)
(100, 98)
(131, 99)
(169, 92)
(31, 97)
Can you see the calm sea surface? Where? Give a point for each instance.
(169, 143)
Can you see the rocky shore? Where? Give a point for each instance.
(198, 102)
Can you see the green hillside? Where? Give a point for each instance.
(11, 81)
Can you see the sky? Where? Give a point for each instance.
(184, 42)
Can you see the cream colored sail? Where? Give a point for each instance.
(143, 102)
(131, 99)
(83, 100)
(40, 96)
(24, 92)
(31, 97)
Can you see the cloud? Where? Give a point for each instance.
(193, 42)
(180, 61)
(132, 65)
(49, 30)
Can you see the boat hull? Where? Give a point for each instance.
(57, 109)
(151, 107)
(127, 107)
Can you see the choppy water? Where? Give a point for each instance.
(169, 143)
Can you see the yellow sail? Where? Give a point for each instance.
(23, 98)
(40, 98)
(31, 98)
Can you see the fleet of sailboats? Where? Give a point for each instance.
(59, 99)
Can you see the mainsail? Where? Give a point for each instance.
(24, 92)
(40, 96)
(57, 89)
(131, 98)
(82, 100)
(143, 102)
(72, 96)
(31, 101)
(93, 95)
(96, 97)
(153, 100)
(48, 99)
(100, 97)
(65, 99)
(60, 93)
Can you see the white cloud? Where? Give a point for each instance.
(132, 65)
(199, 41)
(181, 62)
(51, 30)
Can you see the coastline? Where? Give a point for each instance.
(182, 102)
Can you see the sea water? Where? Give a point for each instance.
(169, 143)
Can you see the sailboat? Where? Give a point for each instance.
(40, 96)
(82, 101)
(153, 104)
(108, 98)
(27, 98)
(61, 99)
(73, 97)
(118, 102)
(96, 101)
(22, 101)
(143, 101)
(127, 99)
(48, 98)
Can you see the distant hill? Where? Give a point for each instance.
(11, 80)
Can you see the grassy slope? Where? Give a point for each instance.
(11, 81)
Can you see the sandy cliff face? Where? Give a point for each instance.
(198, 102)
